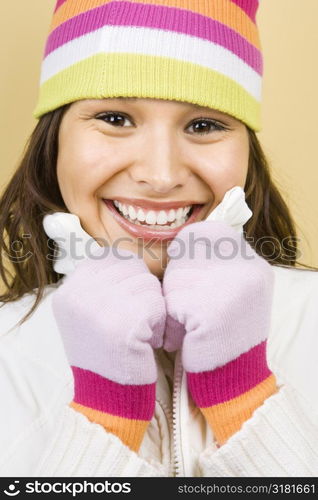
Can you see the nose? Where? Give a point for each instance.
(160, 166)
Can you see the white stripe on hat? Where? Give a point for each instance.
(153, 42)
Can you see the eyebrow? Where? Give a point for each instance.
(197, 106)
(132, 99)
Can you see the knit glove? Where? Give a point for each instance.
(220, 291)
(111, 314)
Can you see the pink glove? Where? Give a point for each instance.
(111, 314)
(220, 290)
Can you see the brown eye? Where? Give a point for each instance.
(205, 126)
(115, 119)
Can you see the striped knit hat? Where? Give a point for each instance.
(205, 52)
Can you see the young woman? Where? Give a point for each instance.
(154, 321)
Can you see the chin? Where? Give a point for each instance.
(156, 267)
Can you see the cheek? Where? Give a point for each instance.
(227, 167)
(228, 175)
(82, 168)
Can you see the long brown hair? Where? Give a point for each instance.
(33, 191)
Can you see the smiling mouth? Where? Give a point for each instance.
(162, 224)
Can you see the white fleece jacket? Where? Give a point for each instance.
(41, 436)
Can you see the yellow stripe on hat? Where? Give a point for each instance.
(106, 75)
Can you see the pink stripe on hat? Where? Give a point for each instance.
(58, 4)
(249, 6)
(152, 16)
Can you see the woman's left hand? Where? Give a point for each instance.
(220, 291)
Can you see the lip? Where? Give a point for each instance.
(150, 234)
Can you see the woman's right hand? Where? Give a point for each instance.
(111, 314)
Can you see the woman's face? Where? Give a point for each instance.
(149, 150)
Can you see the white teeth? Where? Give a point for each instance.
(156, 226)
(132, 212)
(171, 215)
(123, 208)
(141, 215)
(162, 218)
(179, 213)
(174, 224)
(186, 210)
(153, 218)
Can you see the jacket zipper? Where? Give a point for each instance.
(178, 467)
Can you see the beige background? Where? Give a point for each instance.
(290, 107)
